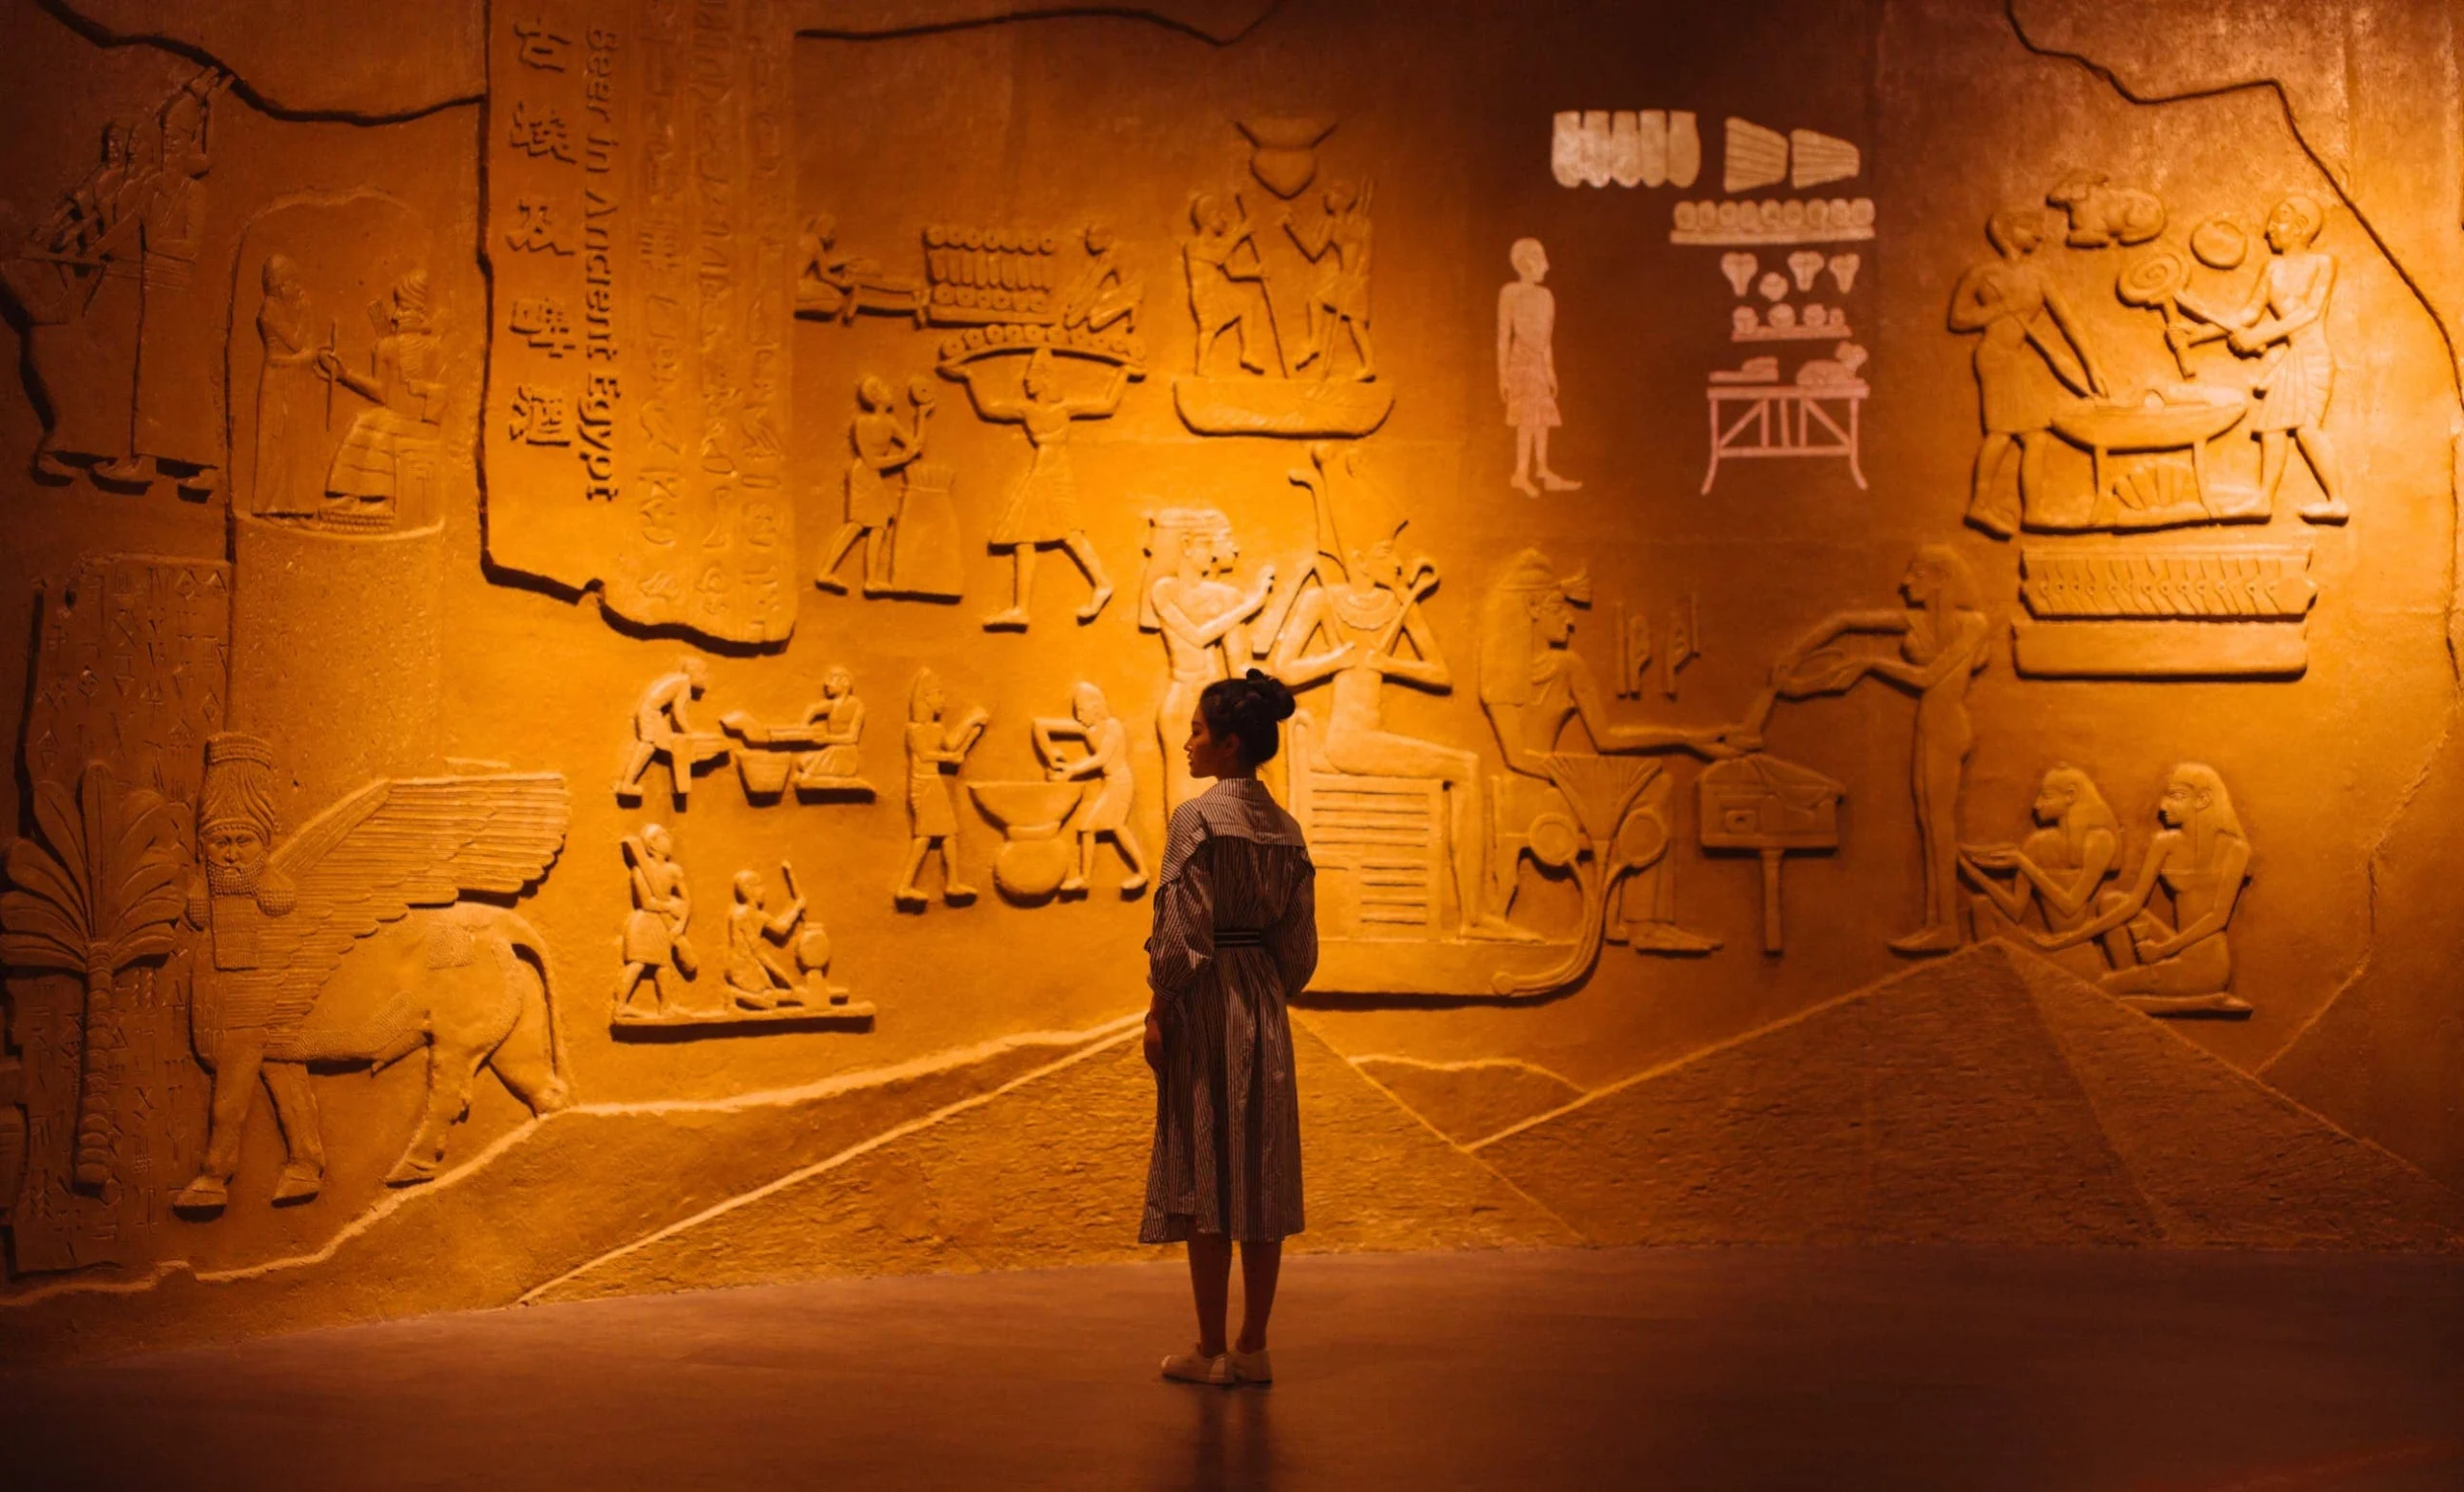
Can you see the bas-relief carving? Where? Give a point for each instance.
(2151, 462)
(936, 750)
(818, 755)
(645, 190)
(1042, 509)
(833, 283)
(109, 285)
(349, 943)
(1050, 829)
(1756, 416)
(131, 674)
(897, 505)
(1296, 308)
(1756, 156)
(777, 973)
(2106, 611)
(1680, 640)
(2161, 930)
(663, 731)
(1945, 640)
(657, 943)
(1212, 627)
(1527, 367)
(1770, 221)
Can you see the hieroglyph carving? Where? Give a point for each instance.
(1633, 147)
(1527, 367)
(663, 728)
(1049, 829)
(898, 503)
(664, 233)
(1770, 221)
(1946, 639)
(1297, 306)
(373, 882)
(935, 753)
(120, 315)
(817, 754)
(2198, 861)
(1756, 416)
(1681, 644)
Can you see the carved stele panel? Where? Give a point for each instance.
(640, 231)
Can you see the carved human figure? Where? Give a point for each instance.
(177, 421)
(1043, 508)
(934, 755)
(1104, 291)
(1219, 294)
(381, 870)
(840, 716)
(663, 727)
(2284, 324)
(1533, 684)
(1945, 640)
(757, 977)
(2200, 858)
(1105, 811)
(830, 281)
(885, 448)
(657, 943)
(2057, 869)
(388, 458)
(1188, 596)
(1367, 606)
(287, 385)
(2013, 304)
(1527, 367)
(1339, 244)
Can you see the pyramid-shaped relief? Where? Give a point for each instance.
(1988, 1098)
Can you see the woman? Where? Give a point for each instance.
(2200, 859)
(1945, 640)
(1236, 935)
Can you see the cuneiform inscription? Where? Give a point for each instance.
(2113, 580)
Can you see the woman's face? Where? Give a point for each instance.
(1209, 754)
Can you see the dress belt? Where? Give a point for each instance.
(1239, 937)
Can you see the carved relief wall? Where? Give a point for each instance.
(614, 605)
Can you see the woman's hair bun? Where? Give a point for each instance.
(1272, 696)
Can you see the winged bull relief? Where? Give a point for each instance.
(349, 943)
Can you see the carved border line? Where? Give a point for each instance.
(1089, 1039)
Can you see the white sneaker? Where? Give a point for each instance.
(1250, 1366)
(1190, 1367)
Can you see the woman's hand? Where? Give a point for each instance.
(1154, 1041)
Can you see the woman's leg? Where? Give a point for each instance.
(1209, 1283)
(1261, 1264)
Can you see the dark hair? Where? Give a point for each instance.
(1249, 708)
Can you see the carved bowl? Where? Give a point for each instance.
(2177, 416)
(1028, 810)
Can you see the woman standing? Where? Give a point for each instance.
(1235, 936)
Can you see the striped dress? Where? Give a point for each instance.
(1235, 933)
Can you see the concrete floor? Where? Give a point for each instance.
(1622, 1369)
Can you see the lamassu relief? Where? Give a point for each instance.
(612, 631)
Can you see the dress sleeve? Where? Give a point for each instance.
(1182, 945)
(1295, 935)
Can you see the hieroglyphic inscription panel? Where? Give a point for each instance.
(640, 200)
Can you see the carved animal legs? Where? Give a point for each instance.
(526, 1059)
(450, 1072)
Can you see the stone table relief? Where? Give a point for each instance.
(1945, 640)
(1527, 367)
(1042, 509)
(371, 884)
(897, 505)
(658, 940)
(1767, 807)
(1820, 414)
(2198, 861)
(2111, 611)
(935, 753)
(1211, 627)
